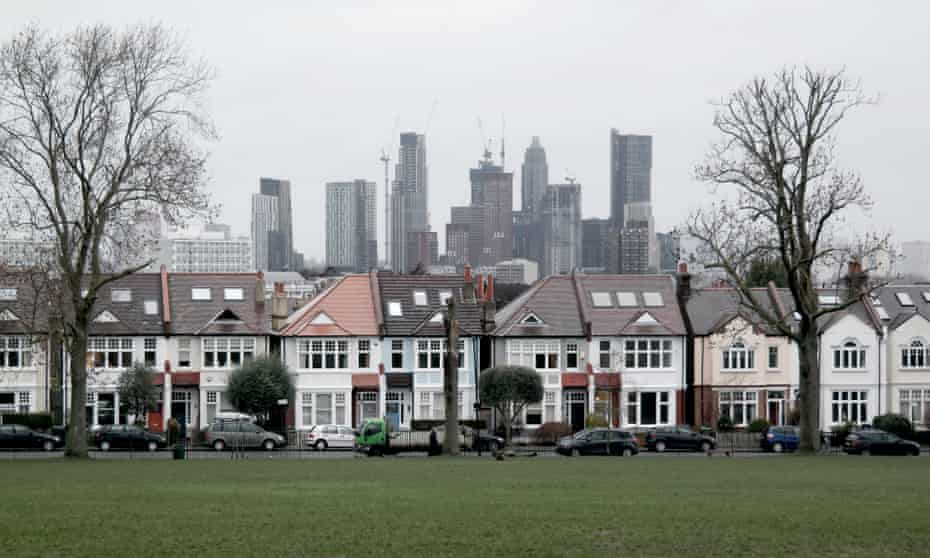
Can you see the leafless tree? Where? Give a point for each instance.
(100, 133)
(778, 153)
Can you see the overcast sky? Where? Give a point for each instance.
(311, 91)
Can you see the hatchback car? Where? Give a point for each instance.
(780, 439)
(127, 436)
(599, 441)
(241, 434)
(15, 436)
(326, 436)
(878, 442)
(678, 438)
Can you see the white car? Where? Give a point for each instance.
(325, 436)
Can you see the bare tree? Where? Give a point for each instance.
(778, 152)
(98, 140)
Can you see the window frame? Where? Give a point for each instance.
(527, 352)
(915, 355)
(110, 350)
(738, 356)
(323, 353)
(853, 402)
(218, 346)
(24, 352)
(665, 352)
(850, 355)
(748, 399)
(632, 401)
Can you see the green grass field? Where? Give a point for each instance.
(467, 507)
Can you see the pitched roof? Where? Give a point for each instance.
(206, 317)
(565, 302)
(128, 306)
(713, 308)
(349, 306)
(28, 313)
(414, 319)
(887, 298)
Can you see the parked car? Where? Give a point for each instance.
(323, 437)
(878, 442)
(127, 436)
(780, 439)
(15, 436)
(241, 434)
(678, 438)
(483, 441)
(599, 441)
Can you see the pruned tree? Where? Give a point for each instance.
(508, 390)
(778, 152)
(257, 386)
(138, 391)
(99, 132)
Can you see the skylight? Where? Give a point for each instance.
(394, 308)
(828, 300)
(904, 299)
(444, 297)
(882, 313)
(626, 299)
(419, 298)
(601, 300)
(151, 307)
(121, 295)
(234, 294)
(201, 293)
(8, 293)
(653, 299)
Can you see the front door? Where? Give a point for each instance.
(575, 407)
(397, 409)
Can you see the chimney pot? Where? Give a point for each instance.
(682, 267)
(489, 292)
(480, 280)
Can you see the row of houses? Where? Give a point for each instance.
(639, 350)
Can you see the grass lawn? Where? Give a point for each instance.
(467, 507)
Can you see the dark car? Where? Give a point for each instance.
(878, 442)
(780, 439)
(678, 438)
(482, 441)
(127, 436)
(15, 436)
(599, 441)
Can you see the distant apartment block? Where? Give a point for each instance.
(561, 226)
(264, 225)
(280, 239)
(517, 270)
(351, 225)
(409, 199)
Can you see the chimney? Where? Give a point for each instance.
(684, 282)
(468, 293)
(278, 307)
(260, 288)
(489, 292)
(856, 279)
(480, 280)
(165, 296)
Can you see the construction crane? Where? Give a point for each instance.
(485, 142)
(386, 160)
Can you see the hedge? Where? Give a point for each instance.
(36, 421)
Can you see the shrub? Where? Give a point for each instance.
(549, 432)
(35, 421)
(895, 424)
(840, 432)
(724, 424)
(758, 425)
(595, 421)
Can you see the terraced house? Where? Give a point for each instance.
(611, 345)
(25, 373)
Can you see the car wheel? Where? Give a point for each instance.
(915, 452)
(374, 452)
(778, 448)
(219, 445)
(321, 445)
(104, 446)
(268, 445)
(152, 445)
(660, 446)
(48, 445)
(494, 446)
(866, 453)
(705, 446)
(627, 452)
(576, 453)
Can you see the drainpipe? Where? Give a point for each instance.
(703, 340)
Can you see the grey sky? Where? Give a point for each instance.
(310, 90)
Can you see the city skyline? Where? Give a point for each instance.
(315, 61)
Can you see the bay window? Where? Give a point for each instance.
(319, 408)
(227, 352)
(431, 405)
(431, 353)
(647, 353)
(109, 352)
(213, 405)
(16, 402)
(850, 406)
(549, 406)
(915, 405)
(740, 406)
(15, 352)
(323, 354)
(541, 355)
(648, 408)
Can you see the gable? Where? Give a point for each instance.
(850, 325)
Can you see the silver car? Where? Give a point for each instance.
(325, 436)
(241, 434)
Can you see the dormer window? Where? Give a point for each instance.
(233, 294)
(739, 357)
(601, 300)
(121, 295)
(851, 356)
(201, 293)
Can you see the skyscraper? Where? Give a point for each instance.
(351, 225)
(534, 177)
(409, 198)
(594, 235)
(264, 224)
(281, 238)
(630, 204)
(561, 224)
(491, 235)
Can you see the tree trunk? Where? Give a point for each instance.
(508, 428)
(77, 428)
(450, 382)
(810, 392)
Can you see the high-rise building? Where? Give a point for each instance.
(561, 225)
(594, 242)
(457, 244)
(534, 178)
(668, 247)
(491, 235)
(409, 201)
(351, 225)
(281, 247)
(422, 250)
(264, 225)
(631, 195)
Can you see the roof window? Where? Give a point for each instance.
(653, 299)
(234, 294)
(601, 300)
(121, 295)
(828, 300)
(201, 293)
(394, 308)
(882, 313)
(151, 307)
(904, 299)
(8, 293)
(444, 297)
(419, 298)
(626, 299)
